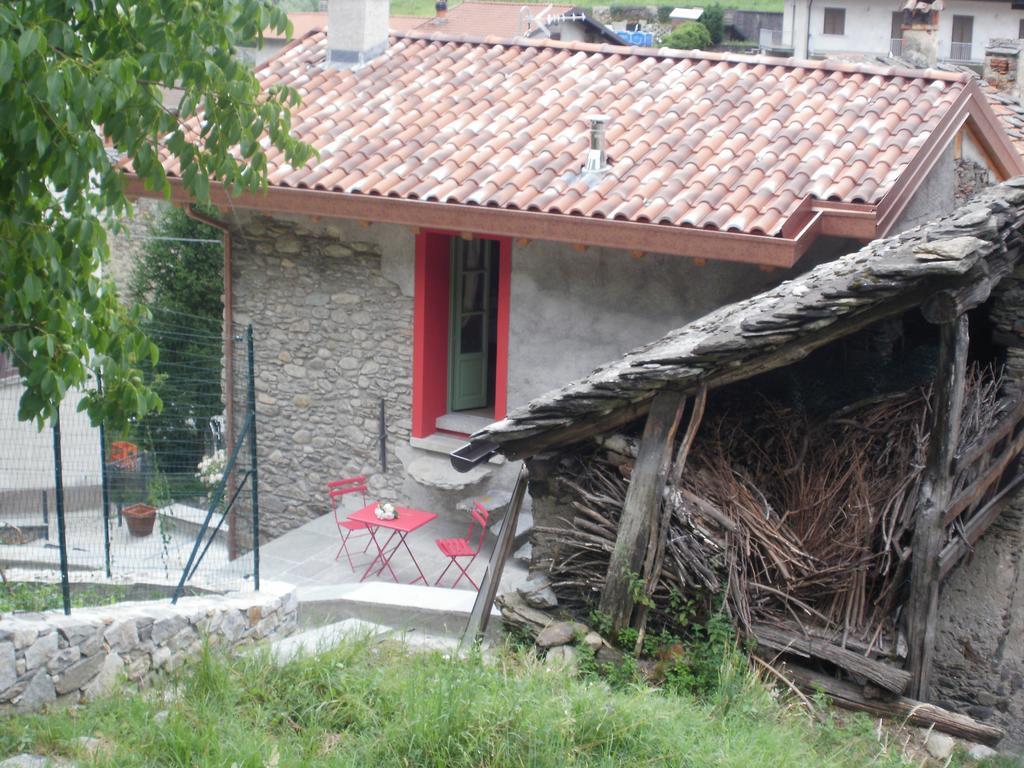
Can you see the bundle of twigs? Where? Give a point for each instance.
(783, 518)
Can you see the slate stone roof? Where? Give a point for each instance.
(979, 242)
(697, 140)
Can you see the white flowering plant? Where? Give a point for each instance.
(385, 511)
(211, 469)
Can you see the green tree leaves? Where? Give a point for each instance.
(83, 82)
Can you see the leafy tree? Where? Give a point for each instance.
(691, 36)
(179, 279)
(79, 79)
(714, 19)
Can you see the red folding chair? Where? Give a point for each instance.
(335, 490)
(461, 548)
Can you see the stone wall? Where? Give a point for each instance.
(127, 245)
(47, 658)
(333, 337)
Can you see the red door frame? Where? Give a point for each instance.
(431, 311)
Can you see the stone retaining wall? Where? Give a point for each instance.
(49, 657)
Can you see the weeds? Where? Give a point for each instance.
(361, 704)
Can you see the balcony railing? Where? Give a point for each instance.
(960, 52)
(896, 46)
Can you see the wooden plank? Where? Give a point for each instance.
(481, 612)
(583, 430)
(936, 488)
(977, 526)
(917, 713)
(976, 490)
(641, 507)
(976, 450)
(778, 639)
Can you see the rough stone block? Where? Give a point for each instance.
(64, 658)
(122, 635)
(78, 674)
(37, 654)
(106, 679)
(167, 628)
(8, 666)
(38, 693)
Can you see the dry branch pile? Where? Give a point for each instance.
(786, 521)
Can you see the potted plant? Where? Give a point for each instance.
(141, 517)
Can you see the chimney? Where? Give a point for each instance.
(920, 32)
(597, 162)
(357, 31)
(1004, 67)
(440, 11)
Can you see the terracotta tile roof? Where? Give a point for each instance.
(1010, 114)
(303, 22)
(700, 140)
(397, 23)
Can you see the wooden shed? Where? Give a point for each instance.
(885, 386)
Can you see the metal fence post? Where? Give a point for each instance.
(253, 464)
(104, 478)
(58, 478)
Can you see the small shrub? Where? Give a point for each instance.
(714, 19)
(664, 12)
(691, 36)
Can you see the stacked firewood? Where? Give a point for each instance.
(783, 520)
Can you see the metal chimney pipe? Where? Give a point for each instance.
(597, 160)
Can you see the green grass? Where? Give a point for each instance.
(38, 596)
(360, 705)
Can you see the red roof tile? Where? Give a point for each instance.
(704, 140)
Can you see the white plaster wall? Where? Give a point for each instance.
(868, 25)
(26, 454)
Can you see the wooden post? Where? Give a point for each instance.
(641, 507)
(936, 491)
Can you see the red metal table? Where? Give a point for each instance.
(408, 520)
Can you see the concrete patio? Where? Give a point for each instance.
(306, 555)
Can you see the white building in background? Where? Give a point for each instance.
(833, 27)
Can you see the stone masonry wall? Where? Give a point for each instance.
(979, 654)
(47, 658)
(332, 337)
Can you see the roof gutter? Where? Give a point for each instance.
(844, 220)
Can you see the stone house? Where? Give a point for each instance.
(488, 219)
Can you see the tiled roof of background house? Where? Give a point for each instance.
(702, 140)
(1010, 114)
(482, 19)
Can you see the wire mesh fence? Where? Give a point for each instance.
(171, 499)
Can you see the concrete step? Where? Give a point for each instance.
(408, 608)
(322, 638)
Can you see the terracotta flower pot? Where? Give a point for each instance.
(140, 519)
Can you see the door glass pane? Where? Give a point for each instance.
(474, 257)
(471, 340)
(473, 292)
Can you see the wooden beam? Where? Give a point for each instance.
(641, 507)
(917, 713)
(976, 491)
(936, 489)
(481, 613)
(774, 638)
(946, 306)
(977, 525)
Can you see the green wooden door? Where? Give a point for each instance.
(472, 263)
